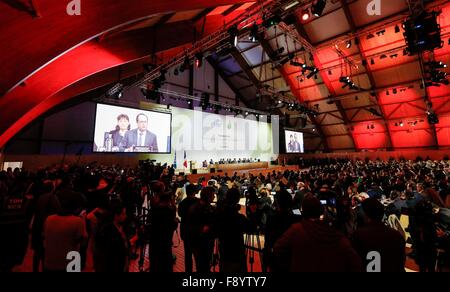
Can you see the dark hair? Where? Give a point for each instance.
(311, 207)
(283, 200)
(206, 193)
(373, 209)
(232, 197)
(141, 114)
(123, 116)
(191, 190)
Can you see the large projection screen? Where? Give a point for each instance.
(123, 129)
(294, 142)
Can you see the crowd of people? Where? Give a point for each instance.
(326, 217)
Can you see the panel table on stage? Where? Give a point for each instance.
(239, 166)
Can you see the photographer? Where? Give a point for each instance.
(278, 222)
(230, 227)
(201, 218)
(163, 224)
(183, 210)
(111, 245)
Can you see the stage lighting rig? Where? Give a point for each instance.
(422, 33)
(115, 91)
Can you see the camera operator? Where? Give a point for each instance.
(111, 244)
(278, 222)
(183, 209)
(201, 218)
(230, 226)
(163, 224)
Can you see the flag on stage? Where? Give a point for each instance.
(185, 164)
(175, 161)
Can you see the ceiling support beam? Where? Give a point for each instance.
(216, 68)
(353, 27)
(269, 51)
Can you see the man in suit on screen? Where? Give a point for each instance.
(139, 139)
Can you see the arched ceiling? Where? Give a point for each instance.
(52, 58)
(41, 56)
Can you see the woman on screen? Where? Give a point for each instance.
(123, 125)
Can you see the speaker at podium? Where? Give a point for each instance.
(194, 171)
(212, 170)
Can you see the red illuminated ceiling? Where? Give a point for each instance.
(41, 56)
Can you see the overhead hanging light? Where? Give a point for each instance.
(318, 7)
(291, 5)
(305, 15)
(348, 44)
(254, 31)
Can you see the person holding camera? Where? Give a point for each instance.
(200, 232)
(163, 224)
(111, 245)
(230, 226)
(183, 210)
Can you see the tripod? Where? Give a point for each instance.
(251, 249)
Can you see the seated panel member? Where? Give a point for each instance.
(139, 137)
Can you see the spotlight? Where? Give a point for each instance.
(370, 36)
(318, 7)
(254, 31)
(312, 73)
(198, 60)
(394, 91)
(433, 118)
(234, 35)
(401, 124)
(348, 44)
(305, 15)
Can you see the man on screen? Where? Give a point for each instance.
(291, 145)
(297, 146)
(140, 138)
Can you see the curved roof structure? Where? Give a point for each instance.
(49, 57)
